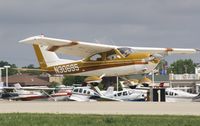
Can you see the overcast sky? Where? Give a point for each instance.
(150, 23)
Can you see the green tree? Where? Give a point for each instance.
(30, 66)
(32, 72)
(10, 71)
(70, 80)
(183, 66)
(162, 65)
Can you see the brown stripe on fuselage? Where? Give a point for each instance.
(86, 66)
(91, 67)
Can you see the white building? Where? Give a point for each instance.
(187, 82)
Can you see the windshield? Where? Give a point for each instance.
(125, 51)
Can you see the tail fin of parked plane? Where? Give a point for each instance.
(17, 85)
(110, 90)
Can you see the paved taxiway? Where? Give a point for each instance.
(181, 108)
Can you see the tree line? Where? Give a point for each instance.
(13, 71)
(178, 67)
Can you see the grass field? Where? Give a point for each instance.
(26, 119)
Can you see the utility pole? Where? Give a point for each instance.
(1, 68)
(6, 74)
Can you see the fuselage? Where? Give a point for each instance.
(111, 65)
(173, 95)
(127, 95)
(82, 94)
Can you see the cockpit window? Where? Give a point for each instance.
(75, 90)
(96, 57)
(125, 51)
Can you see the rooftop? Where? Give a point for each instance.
(27, 79)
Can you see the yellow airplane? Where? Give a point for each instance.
(98, 59)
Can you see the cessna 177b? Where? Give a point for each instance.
(98, 59)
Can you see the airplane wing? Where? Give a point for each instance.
(33, 88)
(85, 49)
(74, 48)
(26, 88)
(104, 98)
(29, 69)
(165, 51)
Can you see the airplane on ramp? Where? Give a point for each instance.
(124, 95)
(98, 59)
(34, 93)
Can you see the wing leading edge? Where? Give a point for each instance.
(69, 47)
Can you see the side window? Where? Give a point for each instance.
(111, 55)
(84, 91)
(96, 57)
(125, 93)
(75, 90)
(88, 92)
(80, 90)
(130, 92)
(125, 51)
(119, 94)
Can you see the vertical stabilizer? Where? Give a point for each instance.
(45, 58)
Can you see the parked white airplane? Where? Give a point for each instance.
(173, 95)
(34, 93)
(82, 94)
(125, 95)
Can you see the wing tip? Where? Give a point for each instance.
(31, 39)
(197, 49)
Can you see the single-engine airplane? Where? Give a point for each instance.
(98, 59)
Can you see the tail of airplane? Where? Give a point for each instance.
(17, 85)
(110, 90)
(45, 58)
